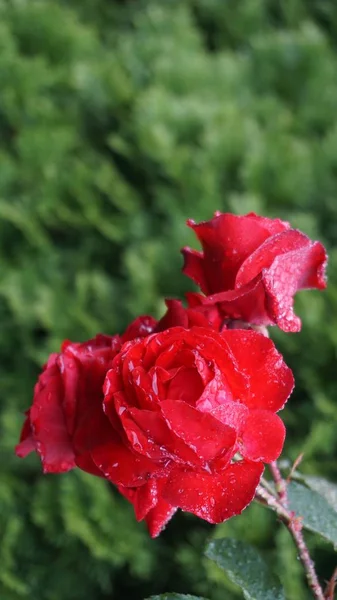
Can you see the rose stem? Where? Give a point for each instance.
(280, 484)
(294, 525)
(329, 593)
(266, 484)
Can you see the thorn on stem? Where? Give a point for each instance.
(294, 467)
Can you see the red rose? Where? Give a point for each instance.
(251, 267)
(181, 405)
(67, 398)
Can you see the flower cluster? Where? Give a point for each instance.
(182, 412)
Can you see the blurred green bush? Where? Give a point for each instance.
(118, 120)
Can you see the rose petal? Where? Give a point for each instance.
(99, 342)
(145, 498)
(214, 498)
(140, 327)
(140, 441)
(95, 436)
(27, 443)
(48, 424)
(297, 270)
(232, 414)
(122, 466)
(176, 315)
(269, 380)
(194, 267)
(120, 378)
(159, 516)
(247, 303)
(144, 393)
(149, 505)
(85, 463)
(176, 356)
(186, 385)
(279, 245)
(207, 436)
(147, 387)
(69, 371)
(155, 427)
(227, 240)
(210, 313)
(273, 226)
(263, 436)
(93, 430)
(83, 368)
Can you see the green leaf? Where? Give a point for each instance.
(318, 515)
(245, 567)
(320, 485)
(175, 597)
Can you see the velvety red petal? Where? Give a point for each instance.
(288, 262)
(99, 342)
(273, 226)
(227, 240)
(140, 441)
(177, 355)
(69, 368)
(83, 368)
(247, 303)
(128, 493)
(27, 443)
(85, 463)
(194, 268)
(124, 467)
(149, 505)
(195, 300)
(143, 394)
(145, 498)
(269, 380)
(156, 428)
(223, 380)
(232, 414)
(207, 436)
(273, 247)
(113, 381)
(147, 386)
(211, 313)
(263, 436)
(214, 498)
(176, 315)
(53, 443)
(187, 385)
(179, 316)
(217, 392)
(120, 377)
(159, 516)
(297, 270)
(93, 430)
(140, 327)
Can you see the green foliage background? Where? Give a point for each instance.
(118, 120)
